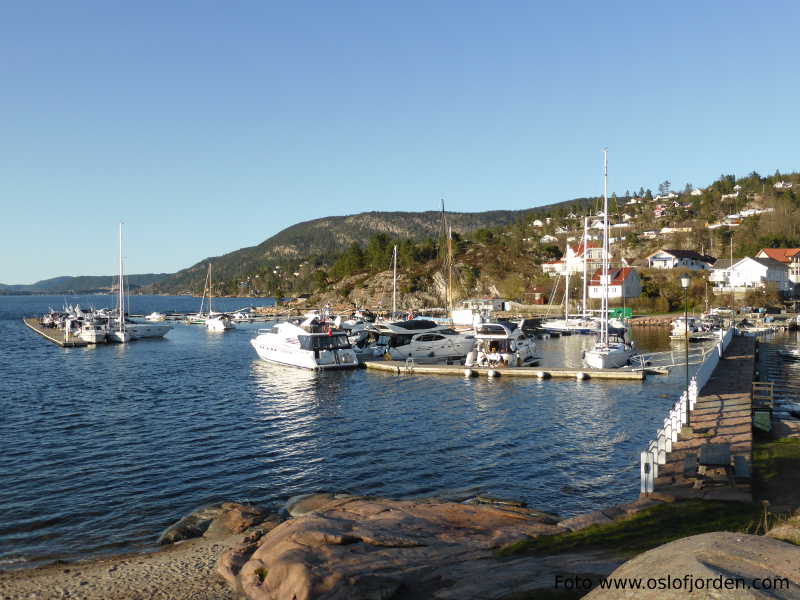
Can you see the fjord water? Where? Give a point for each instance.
(101, 448)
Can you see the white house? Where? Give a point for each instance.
(572, 261)
(754, 273)
(537, 223)
(673, 259)
(782, 185)
(696, 192)
(668, 230)
(787, 256)
(623, 282)
(548, 239)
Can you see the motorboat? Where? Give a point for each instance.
(306, 346)
(421, 339)
(501, 345)
(156, 317)
(683, 325)
(611, 350)
(241, 316)
(219, 322)
(93, 332)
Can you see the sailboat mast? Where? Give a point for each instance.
(121, 302)
(566, 299)
(604, 281)
(585, 264)
(449, 269)
(394, 283)
(209, 289)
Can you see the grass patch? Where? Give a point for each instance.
(261, 573)
(771, 459)
(645, 530)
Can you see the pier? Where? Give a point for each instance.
(54, 334)
(709, 457)
(409, 368)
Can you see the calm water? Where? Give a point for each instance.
(102, 448)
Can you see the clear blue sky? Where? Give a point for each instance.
(209, 126)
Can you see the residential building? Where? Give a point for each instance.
(696, 192)
(788, 256)
(623, 282)
(572, 261)
(782, 185)
(755, 273)
(673, 259)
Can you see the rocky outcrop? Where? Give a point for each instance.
(297, 506)
(788, 530)
(707, 562)
(216, 521)
(360, 548)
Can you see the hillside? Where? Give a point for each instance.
(81, 284)
(332, 235)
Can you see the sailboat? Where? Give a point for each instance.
(216, 321)
(610, 351)
(120, 329)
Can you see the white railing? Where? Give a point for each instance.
(657, 450)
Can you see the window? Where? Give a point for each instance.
(323, 342)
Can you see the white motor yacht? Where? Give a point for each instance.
(421, 339)
(156, 317)
(501, 345)
(93, 332)
(306, 347)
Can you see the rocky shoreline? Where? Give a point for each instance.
(340, 546)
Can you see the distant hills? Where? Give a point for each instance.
(81, 284)
(329, 235)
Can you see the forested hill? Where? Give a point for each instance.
(332, 235)
(81, 284)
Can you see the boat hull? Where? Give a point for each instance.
(612, 358)
(278, 352)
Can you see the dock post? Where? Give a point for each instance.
(647, 478)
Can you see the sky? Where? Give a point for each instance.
(210, 126)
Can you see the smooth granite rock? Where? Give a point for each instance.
(788, 531)
(221, 519)
(710, 560)
(370, 548)
(298, 506)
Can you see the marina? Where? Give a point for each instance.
(58, 336)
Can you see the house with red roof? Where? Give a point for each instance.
(788, 256)
(623, 282)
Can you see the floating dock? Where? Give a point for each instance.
(402, 368)
(54, 334)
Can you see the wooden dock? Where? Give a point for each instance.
(54, 334)
(402, 368)
(722, 416)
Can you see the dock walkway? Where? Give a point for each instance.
(722, 415)
(401, 367)
(54, 334)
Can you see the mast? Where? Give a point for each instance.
(121, 301)
(566, 300)
(449, 269)
(604, 279)
(209, 289)
(585, 265)
(394, 283)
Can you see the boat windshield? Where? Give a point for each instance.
(323, 342)
(393, 341)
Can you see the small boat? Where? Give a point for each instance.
(241, 317)
(304, 346)
(501, 345)
(156, 317)
(219, 322)
(683, 326)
